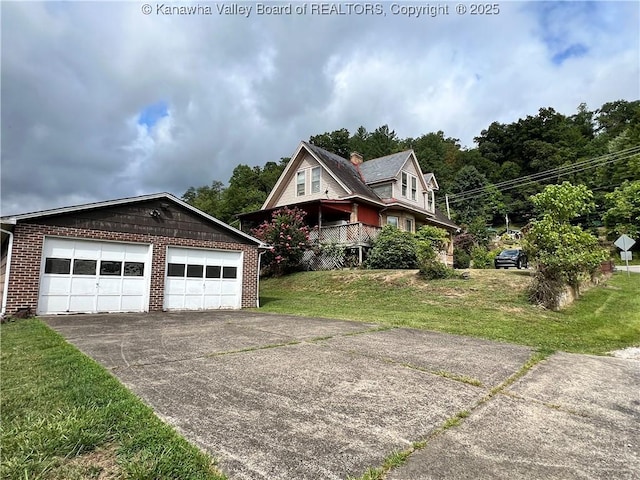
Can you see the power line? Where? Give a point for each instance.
(547, 174)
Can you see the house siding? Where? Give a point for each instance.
(368, 215)
(24, 277)
(410, 168)
(327, 182)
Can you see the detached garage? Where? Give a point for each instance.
(148, 253)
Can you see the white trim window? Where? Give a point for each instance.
(301, 180)
(408, 225)
(409, 186)
(315, 180)
(393, 220)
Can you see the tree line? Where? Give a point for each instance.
(546, 148)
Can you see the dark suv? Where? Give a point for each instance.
(511, 258)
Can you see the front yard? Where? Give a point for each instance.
(491, 304)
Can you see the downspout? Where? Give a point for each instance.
(7, 271)
(258, 278)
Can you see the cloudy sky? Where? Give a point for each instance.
(100, 101)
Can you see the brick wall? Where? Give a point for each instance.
(27, 254)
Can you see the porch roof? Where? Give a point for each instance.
(312, 208)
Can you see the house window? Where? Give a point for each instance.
(393, 221)
(300, 183)
(408, 225)
(409, 182)
(315, 180)
(430, 201)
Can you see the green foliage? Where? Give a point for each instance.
(563, 252)
(623, 209)
(461, 259)
(564, 202)
(288, 237)
(432, 268)
(482, 258)
(393, 248)
(465, 242)
(436, 238)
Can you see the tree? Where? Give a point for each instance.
(336, 142)
(564, 253)
(288, 237)
(209, 199)
(623, 213)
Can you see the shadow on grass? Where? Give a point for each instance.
(267, 300)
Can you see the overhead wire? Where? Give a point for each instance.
(547, 174)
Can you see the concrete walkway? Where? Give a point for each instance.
(281, 397)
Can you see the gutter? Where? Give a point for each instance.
(7, 271)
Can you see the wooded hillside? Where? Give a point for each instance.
(508, 164)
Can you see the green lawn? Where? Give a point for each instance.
(65, 417)
(492, 304)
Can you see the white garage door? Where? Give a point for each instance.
(90, 276)
(202, 279)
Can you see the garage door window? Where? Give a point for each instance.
(84, 267)
(57, 265)
(175, 270)
(230, 272)
(133, 269)
(213, 271)
(195, 271)
(111, 268)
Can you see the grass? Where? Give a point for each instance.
(65, 417)
(492, 304)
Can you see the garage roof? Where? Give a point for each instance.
(13, 219)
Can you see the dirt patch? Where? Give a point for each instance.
(99, 464)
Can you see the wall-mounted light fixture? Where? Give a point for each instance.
(154, 213)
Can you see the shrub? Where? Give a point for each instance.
(433, 268)
(481, 258)
(465, 242)
(393, 249)
(288, 237)
(461, 259)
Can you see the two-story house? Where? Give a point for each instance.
(350, 200)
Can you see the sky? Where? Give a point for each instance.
(106, 100)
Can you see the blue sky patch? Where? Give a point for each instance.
(575, 50)
(150, 115)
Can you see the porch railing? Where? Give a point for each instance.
(351, 234)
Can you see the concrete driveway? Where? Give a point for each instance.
(281, 397)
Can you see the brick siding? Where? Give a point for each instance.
(24, 277)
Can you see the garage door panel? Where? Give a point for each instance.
(227, 301)
(56, 284)
(86, 250)
(82, 303)
(83, 286)
(192, 302)
(131, 286)
(109, 303)
(131, 303)
(228, 288)
(212, 287)
(175, 286)
(110, 286)
(193, 287)
(212, 302)
(54, 303)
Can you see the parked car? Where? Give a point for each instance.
(511, 258)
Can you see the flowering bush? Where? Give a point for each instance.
(288, 237)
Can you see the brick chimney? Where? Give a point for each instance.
(356, 158)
